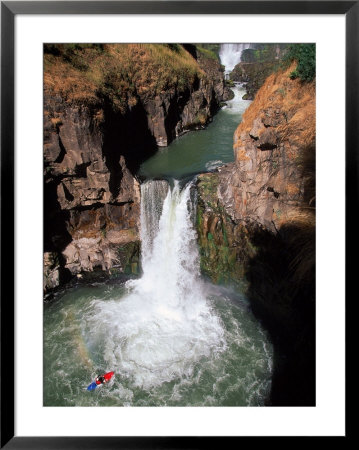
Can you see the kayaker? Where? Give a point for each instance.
(101, 379)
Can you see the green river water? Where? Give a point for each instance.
(199, 151)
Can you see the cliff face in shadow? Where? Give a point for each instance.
(106, 109)
(256, 227)
(281, 290)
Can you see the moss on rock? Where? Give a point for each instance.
(129, 258)
(225, 246)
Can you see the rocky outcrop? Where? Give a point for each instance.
(270, 182)
(225, 244)
(172, 113)
(91, 205)
(106, 109)
(253, 74)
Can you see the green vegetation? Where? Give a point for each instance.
(261, 60)
(207, 53)
(129, 257)
(72, 53)
(174, 47)
(200, 119)
(67, 50)
(304, 55)
(263, 52)
(209, 50)
(229, 83)
(221, 259)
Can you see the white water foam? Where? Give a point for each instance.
(211, 165)
(165, 326)
(237, 105)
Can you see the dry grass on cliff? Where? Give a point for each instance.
(294, 99)
(118, 71)
(60, 78)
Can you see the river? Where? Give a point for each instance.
(200, 151)
(172, 338)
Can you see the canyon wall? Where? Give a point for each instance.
(256, 226)
(257, 63)
(272, 182)
(253, 74)
(106, 109)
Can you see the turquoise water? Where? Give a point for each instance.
(82, 338)
(199, 151)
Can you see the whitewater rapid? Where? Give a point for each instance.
(165, 325)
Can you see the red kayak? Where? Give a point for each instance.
(101, 379)
(107, 376)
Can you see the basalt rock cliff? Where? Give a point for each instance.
(106, 109)
(253, 74)
(256, 226)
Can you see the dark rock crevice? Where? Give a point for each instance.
(62, 153)
(56, 236)
(173, 115)
(267, 146)
(127, 136)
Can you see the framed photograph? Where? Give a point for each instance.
(175, 179)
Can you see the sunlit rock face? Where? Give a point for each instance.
(274, 148)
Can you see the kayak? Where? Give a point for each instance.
(107, 376)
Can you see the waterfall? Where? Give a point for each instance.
(171, 262)
(165, 326)
(230, 55)
(153, 195)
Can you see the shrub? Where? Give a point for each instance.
(174, 47)
(263, 52)
(212, 50)
(207, 53)
(304, 55)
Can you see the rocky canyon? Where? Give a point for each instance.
(106, 109)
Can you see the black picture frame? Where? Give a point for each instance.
(9, 9)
